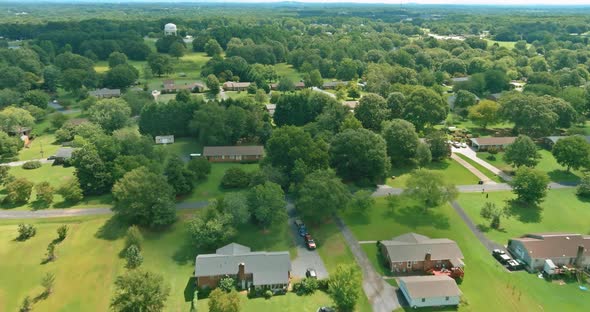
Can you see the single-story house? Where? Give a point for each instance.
(334, 84)
(351, 104)
(164, 139)
(494, 96)
(236, 86)
(169, 86)
(561, 248)
(298, 85)
(233, 153)
(430, 291)
(63, 154)
(259, 269)
(551, 140)
(413, 252)
(459, 79)
(482, 144)
(270, 108)
(105, 93)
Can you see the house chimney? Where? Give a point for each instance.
(580, 256)
(428, 257)
(241, 272)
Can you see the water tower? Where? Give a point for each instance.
(170, 29)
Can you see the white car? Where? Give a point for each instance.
(463, 145)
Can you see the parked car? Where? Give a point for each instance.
(309, 242)
(302, 231)
(325, 309)
(311, 273)
(501, 256)
(298, 223)
(456, 144)
(513, 265)
(463, 145)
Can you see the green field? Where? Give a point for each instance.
(562, 211)
(452, 171)
(484, 277)
(287, 303)
(210, 187)
(481, 168)
(41, 147)
(547, 163)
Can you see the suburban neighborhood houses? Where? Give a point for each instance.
(294, 157)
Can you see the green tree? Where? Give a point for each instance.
(210, 232)
(572, 152)
(286, 84)
(496, 81)
(62, 232)
(57, 120)
(350, 122)
(423, 154)
(353, 92)
(313, 79)
(121, 76)
(359, 155)
(396, 103)
(321, 194)
(485, 113)
(26, 231)
(117, 58)
(94, 177)
(70, 190)
(345, 287)
(9, 146)
(14, 119)
(430, 188)
(490, 212)
(139, 290)
(523, 152)
(44, 193)
(144, 198)
(372, 111)
(133, 237)
(267, 203)
(27, 305)
(583, 189)
(361, 201)
(178, 176)
(18, 191)
(221, 301)
(439, 146)
(5, 175)
(530, 185)
(110, 114)
(177, 50)
(235, 177)
(160, 64)
(36, 98)
(425, 107)
(235, 206)
(133, 257)
(213, 85)
(402, 140)
(212, 48)
(199, 167)
(48, 282)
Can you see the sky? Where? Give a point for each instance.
(464, 2)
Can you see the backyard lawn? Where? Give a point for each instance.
(88, 262)
(481, 168)
(210, 188)
(452, 171)
(562, 211)
(484, 277)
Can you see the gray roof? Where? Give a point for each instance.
(493, 141)
(414, 247)
(247, 150)
(65, 152)
(556, 138)
(332, 84)
(266, 267)
(430, 286)
(105, 92)
(460, 79)
(554, 245)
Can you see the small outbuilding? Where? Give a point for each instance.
(249, 153)
(430, 291)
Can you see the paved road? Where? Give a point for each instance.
(306, 259)
(382, 296)
(490, 245)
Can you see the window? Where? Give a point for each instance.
(409, 264)
(423, 299)
(447, 298)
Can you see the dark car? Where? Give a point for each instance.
(311, 273)
(302, 231)
(513, 265)
(501, 256)
(325, 309)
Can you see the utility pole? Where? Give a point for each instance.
(41, 145)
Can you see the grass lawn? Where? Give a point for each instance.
(210, 188)
(373, 253)
(183, 147)
(55, 175)
(43, 143)
(481, 168)
(88, 262)
(286, 70)
(562, 211)
(547, 163)
(452, 171)
(288, 303)
(486, 286)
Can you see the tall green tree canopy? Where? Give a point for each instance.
(523, 152)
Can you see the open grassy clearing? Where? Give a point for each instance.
(484, 277)
(41, 147)
(210, 188)
(547, 163)
(562, 211)
(481, 168)
(287, 303)
(88, 262)
(452, 171)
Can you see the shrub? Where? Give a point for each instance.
(133, 257)
(26, 231)
(491, 157)
(70, 190)
(44, 193)
(18, 191)
(323, 283)
(307, 286)
(583, 189)
(34, 164)
(133, 237)
(227, 284)
(235, 178)
(62, 232)
(268, 294)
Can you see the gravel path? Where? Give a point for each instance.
(490, 245)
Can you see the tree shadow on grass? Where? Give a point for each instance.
(525, 213)
(189, 289)
(39, 205)
(486, 228)
(114, 228)
(415, 216)
(185, 253)
(562, 176)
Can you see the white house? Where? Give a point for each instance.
(430, 291)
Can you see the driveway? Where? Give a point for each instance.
(480, 175)
(305, 259)
(473, 156)
(21, 162)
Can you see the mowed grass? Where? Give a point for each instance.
(288, 303)
(486, 286)
(42, 146)
(88, 262)
(481, 168)
(547, 163)
(55, 175)
(286, 70)
(210, 188)
(452, 171)
(183, 147)
(562, 211)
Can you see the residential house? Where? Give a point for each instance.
(260, 269)
(551, 140)
(298, 86)
(270, 108)
(334, 84)
(351, 104)
(482, 144)
(233, 153)
(561, 248)
(413, 252)
(169, 86)
(63, 154)
(430, 291)
(236, 86)
(105, 93)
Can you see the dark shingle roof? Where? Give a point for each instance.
(414, 247)
(430, 286)
(65, 152)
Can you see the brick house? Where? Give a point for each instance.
(259, 269)
(233, 153)
(413, 252)
(236, 86)
(169, 86)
